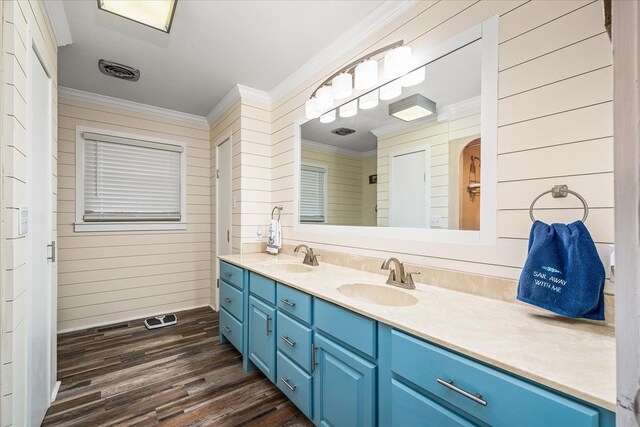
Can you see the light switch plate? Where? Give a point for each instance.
(23, 221)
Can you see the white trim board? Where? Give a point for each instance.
(130, 318)
(109, 101)
(58, 18)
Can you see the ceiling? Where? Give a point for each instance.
(449, 80)
(213, 45)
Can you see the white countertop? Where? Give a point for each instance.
(572, 356)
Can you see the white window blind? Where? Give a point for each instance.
(130, 180)
(312, 194)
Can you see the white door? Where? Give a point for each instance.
(408, 186)
(39, 284)
(223, 198)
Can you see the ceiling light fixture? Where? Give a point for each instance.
(369, 100)
(328, 117)
(364, 70)
(412, 108)
(156, 14)
(349, 109)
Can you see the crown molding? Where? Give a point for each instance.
(237, 92)
(372, 23)
(58, 18)
(108, 101)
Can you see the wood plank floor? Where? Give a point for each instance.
(125, 375)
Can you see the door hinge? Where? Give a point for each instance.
(217, 283)
(228, 236)
(218, 173)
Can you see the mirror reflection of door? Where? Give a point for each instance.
(409, 171)
(469, 218)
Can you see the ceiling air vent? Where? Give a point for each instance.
(343, 131)
(119, 71)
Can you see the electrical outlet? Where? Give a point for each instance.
(23, 221)
(233, 202)
(258, 233)
(436, 221)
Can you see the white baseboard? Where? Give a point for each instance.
(127, 319)
(54, 393)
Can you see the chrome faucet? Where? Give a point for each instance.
(397, 276)
(309, 257)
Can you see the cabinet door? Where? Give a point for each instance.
(262, 337)
(344, 387)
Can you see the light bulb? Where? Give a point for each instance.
(328, 117)
(369, 100)
(414, 77)
(390, 90)
(312, 111)
(342, 85)
(366, 74)
(350, 109)
(325, 100)
(397, 62)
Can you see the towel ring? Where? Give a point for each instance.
(560, 191)
(279, 208)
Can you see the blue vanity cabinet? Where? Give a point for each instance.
(345, 374)
(430, 385)
(232, 306)
(262, 337)
(344, 386)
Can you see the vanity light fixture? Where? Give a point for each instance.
(391, 90)
(369, 100)
(415, 77)
(156, 14)
(328, 117)
(364, 71)
(349, 109)
(412, 108)
(342, 86)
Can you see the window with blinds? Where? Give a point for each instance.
(130, 180)
(312, 194)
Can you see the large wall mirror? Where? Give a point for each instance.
(408, 154)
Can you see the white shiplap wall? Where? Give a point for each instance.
(106, 277)
(555, 125)
(24, 23)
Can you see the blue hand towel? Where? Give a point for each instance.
(563, 272)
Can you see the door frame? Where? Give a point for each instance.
(228, 136)
(626, 130)
(52, 385)
(427, 180)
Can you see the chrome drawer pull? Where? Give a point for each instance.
(227, 300)
(287, 302)
(475, 397)
(267, 324)
(314, 357)
(286, 339)
(286, 382)
(227, 329)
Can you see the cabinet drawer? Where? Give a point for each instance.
(294, 302)
(231, 274)
(509, 400)
(352, 329)
(231, 329)
(231, 300)
(294, 340)
(296, 379)
(262, 287)
(411, 408)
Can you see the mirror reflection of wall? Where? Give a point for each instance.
(381, 167)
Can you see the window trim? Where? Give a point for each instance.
(81, 226)
(326, 176)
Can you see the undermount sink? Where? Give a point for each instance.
(375, 294)
(288, 267)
